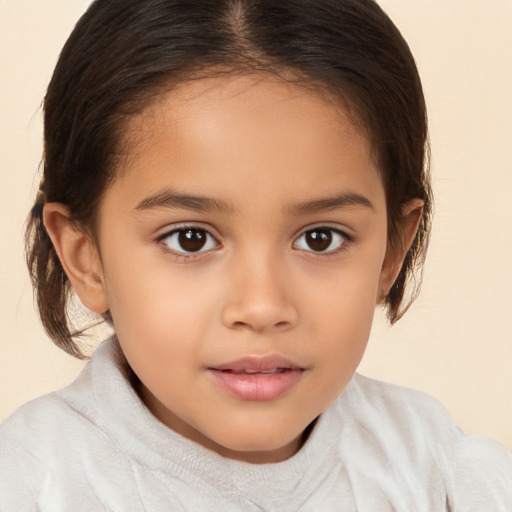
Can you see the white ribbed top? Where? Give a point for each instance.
(93, 446)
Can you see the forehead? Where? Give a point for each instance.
(270, 135)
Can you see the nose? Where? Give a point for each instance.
(260, 297)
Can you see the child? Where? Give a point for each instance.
(234, 185)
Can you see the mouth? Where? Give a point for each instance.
(258, 364)
(250, 371)
(257, 378)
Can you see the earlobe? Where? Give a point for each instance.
(407, 228)
(78, 255)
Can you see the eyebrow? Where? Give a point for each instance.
(175, 200)
(331, 203)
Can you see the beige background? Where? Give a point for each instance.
(455, 342)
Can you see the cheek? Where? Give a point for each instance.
(143, 284)
(344, 312)
(346, 296)
(158, 309)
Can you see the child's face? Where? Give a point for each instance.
(278, 266)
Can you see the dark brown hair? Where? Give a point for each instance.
(124, 53)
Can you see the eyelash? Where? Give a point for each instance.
(343, 244)
(192, 255)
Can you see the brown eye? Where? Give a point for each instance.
(192, 240)
(189, 240)
(320, 240)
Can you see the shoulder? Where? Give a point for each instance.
(412, 426)
(417, 427)
(49, 423)
(47, 429)
(405, 409)
(33, 441)
(54, 448)
(42, 427)
(399, 407)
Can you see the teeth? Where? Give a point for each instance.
(264, 372)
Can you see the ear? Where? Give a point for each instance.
(407, 228)
(78, 256)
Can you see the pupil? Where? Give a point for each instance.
(319, 239)
(192, 240)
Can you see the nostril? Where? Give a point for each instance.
(240, 325)
(259, 315)
(247, 325)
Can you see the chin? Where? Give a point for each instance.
(264, 447)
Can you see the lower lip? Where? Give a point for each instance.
(257, 387)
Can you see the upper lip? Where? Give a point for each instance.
(266, 363)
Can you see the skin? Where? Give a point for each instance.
(261, 147)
